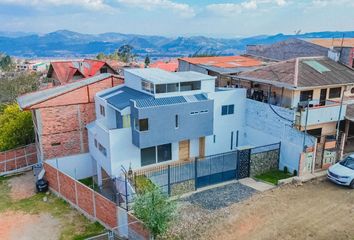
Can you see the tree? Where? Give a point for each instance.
(155, 210)
(147, 61)
(16, 127)
(12, 87)
(101, 56)
(6, 63)
(125, 53)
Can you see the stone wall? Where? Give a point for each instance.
(263, 162)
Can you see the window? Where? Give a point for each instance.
(306, 95)
(204, 111)
(102, 149)
(95, 143)
(193, 113)
(104, 70)
(55, 144)
(227, 109)
(335, 92)
(147, 86)
(214, 138)
(142, 124)
(166, 88)
(172, 87)
(102, 110)
(126, 121)
(161, 88)
(156, 154)
(190, 86)
(164, 153)
(176, 121)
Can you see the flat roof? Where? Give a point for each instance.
(159, 76)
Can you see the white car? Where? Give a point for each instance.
(343, 172)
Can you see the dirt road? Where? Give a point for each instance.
(315, 210)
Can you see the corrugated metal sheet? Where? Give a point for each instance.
(123, 95)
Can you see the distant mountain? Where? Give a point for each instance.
(64, 43)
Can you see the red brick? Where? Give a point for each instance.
(21, 162)
(2, 156)
(85, 198)
(106, 211)
(138, 227)
(67, 187)
(2, 167)
(51, 176)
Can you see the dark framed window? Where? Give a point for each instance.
(176, 121)
(148, 156)
(142, 124)
(227, 109)
(230, 109)
(172, 87)
(104, 70)
(55, 144)
(95, 143)
(161, 88)
(224, 110)
(102, 149)
(102, 110)
(335, 92)
(190, 86)
(306, 95)
(164, 152)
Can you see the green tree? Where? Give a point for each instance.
(101, 56)
(6, 63)
(125, 53)
(12, 87)
(155, 210)
(16, 127)
(147, 61)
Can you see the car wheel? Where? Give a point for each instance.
(352, 184)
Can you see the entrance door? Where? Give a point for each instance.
(323, 97)
(201, 147)
(184, 150)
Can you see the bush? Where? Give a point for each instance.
(143, 184)
(155, 210)
(295, 173)
(286, 169)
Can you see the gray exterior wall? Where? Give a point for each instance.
(162, 123)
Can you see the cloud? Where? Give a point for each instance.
(182, 9)
(88, 4)
(232, 8)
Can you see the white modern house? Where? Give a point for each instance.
(158, 117)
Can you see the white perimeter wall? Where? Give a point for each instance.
(77, 166)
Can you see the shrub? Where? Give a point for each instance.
(295, 172)
(143, 184)
(286, 169)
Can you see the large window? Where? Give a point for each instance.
(156, 154)
(147, 86)
(142, 124)
(190, 86)
(335, 92)
(306, 95)
(166, 88)
(227, 109)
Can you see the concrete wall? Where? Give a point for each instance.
(263, 127)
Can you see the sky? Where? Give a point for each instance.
(214, 18)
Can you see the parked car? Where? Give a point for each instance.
(343, 172)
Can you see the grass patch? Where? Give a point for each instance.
(73, 224)
(143, 184)
(273, 176)
(90, 183)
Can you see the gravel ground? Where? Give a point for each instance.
(220, 197)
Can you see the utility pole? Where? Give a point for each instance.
(339, 115)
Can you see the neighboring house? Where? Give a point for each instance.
(287, 49)
(170, 66)
(63, 72)
(341, 49)
(159, 116)
(312, 86)
(220, 66)
(61, 113)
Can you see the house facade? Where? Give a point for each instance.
(158, 117)
(316, 88)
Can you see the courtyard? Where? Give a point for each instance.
(314, 210)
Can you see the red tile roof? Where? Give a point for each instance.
(170, 66)
(66, 70)
(225, 62)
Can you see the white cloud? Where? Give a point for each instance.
(88, 4)
(181, 8)
(232, 8)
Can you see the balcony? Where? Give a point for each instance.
(319, 113)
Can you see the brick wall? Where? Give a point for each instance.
(137, 229)
(83, 198)
(18, 158)
(61, 120)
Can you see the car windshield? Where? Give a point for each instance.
(348, 162)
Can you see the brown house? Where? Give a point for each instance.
(61, 113)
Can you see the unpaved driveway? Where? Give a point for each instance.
(315, 210)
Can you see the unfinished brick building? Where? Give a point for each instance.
(60, 115)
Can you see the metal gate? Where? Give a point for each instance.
(244, 159)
